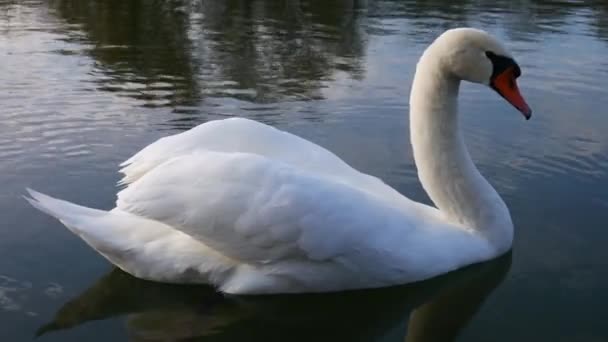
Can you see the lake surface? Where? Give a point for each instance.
(85, 84)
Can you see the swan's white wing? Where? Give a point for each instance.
(235, 135)
(248, 136)
(256, 210)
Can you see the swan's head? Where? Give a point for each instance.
(474, 55)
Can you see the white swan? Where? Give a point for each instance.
(250, 209)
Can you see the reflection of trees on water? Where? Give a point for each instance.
(141, 47)
(521, 20)
(179, 52)
(599, 19)
(280, 49)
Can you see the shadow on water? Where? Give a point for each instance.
(437, 309)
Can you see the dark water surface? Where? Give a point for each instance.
(84, 84)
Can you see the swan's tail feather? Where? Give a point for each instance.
(144, 248)
(68, 213)
(109, 233)
(119, 236)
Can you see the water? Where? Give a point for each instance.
(84, 84)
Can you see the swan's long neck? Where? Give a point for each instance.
(445, 168)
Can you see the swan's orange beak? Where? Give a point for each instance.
(504, 84)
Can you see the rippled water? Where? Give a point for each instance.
(84, 84)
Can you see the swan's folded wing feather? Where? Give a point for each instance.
(234, 135)
(240, 135)
(257, 210)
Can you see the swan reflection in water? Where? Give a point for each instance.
(433, 310)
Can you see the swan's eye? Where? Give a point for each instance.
(502, 63)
